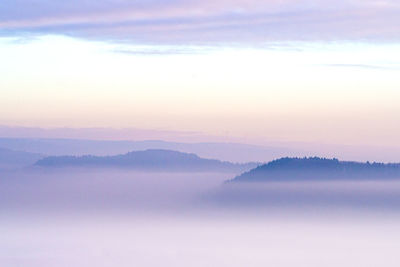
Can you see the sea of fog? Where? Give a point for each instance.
(85, 218)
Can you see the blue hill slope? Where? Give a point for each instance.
(152, 159)
(314, 168)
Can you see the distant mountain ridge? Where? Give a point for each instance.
(315, 168)
(232, 152)
(151, 159)
(10, 159)
(224, 151)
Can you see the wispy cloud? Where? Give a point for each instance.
(364, 66)
(205, 22)
(158, 51)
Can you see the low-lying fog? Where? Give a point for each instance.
(118, 218)
(105, 190)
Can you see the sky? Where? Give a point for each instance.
(282, 70)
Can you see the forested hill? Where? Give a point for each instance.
(315, 168)
(152, 159)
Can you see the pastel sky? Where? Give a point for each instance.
(284, 70)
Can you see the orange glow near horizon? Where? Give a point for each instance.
(327, 93)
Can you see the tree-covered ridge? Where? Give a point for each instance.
(319, 168)
(152, 159)
(324, 163)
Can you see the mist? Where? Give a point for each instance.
(103, 191)
(199, 133)
(113, 217)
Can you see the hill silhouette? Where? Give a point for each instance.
(152, 159)
(315, 168)
(232, 152)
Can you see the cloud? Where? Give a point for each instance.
(364, 66)
(205, 22)
(145, 51)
